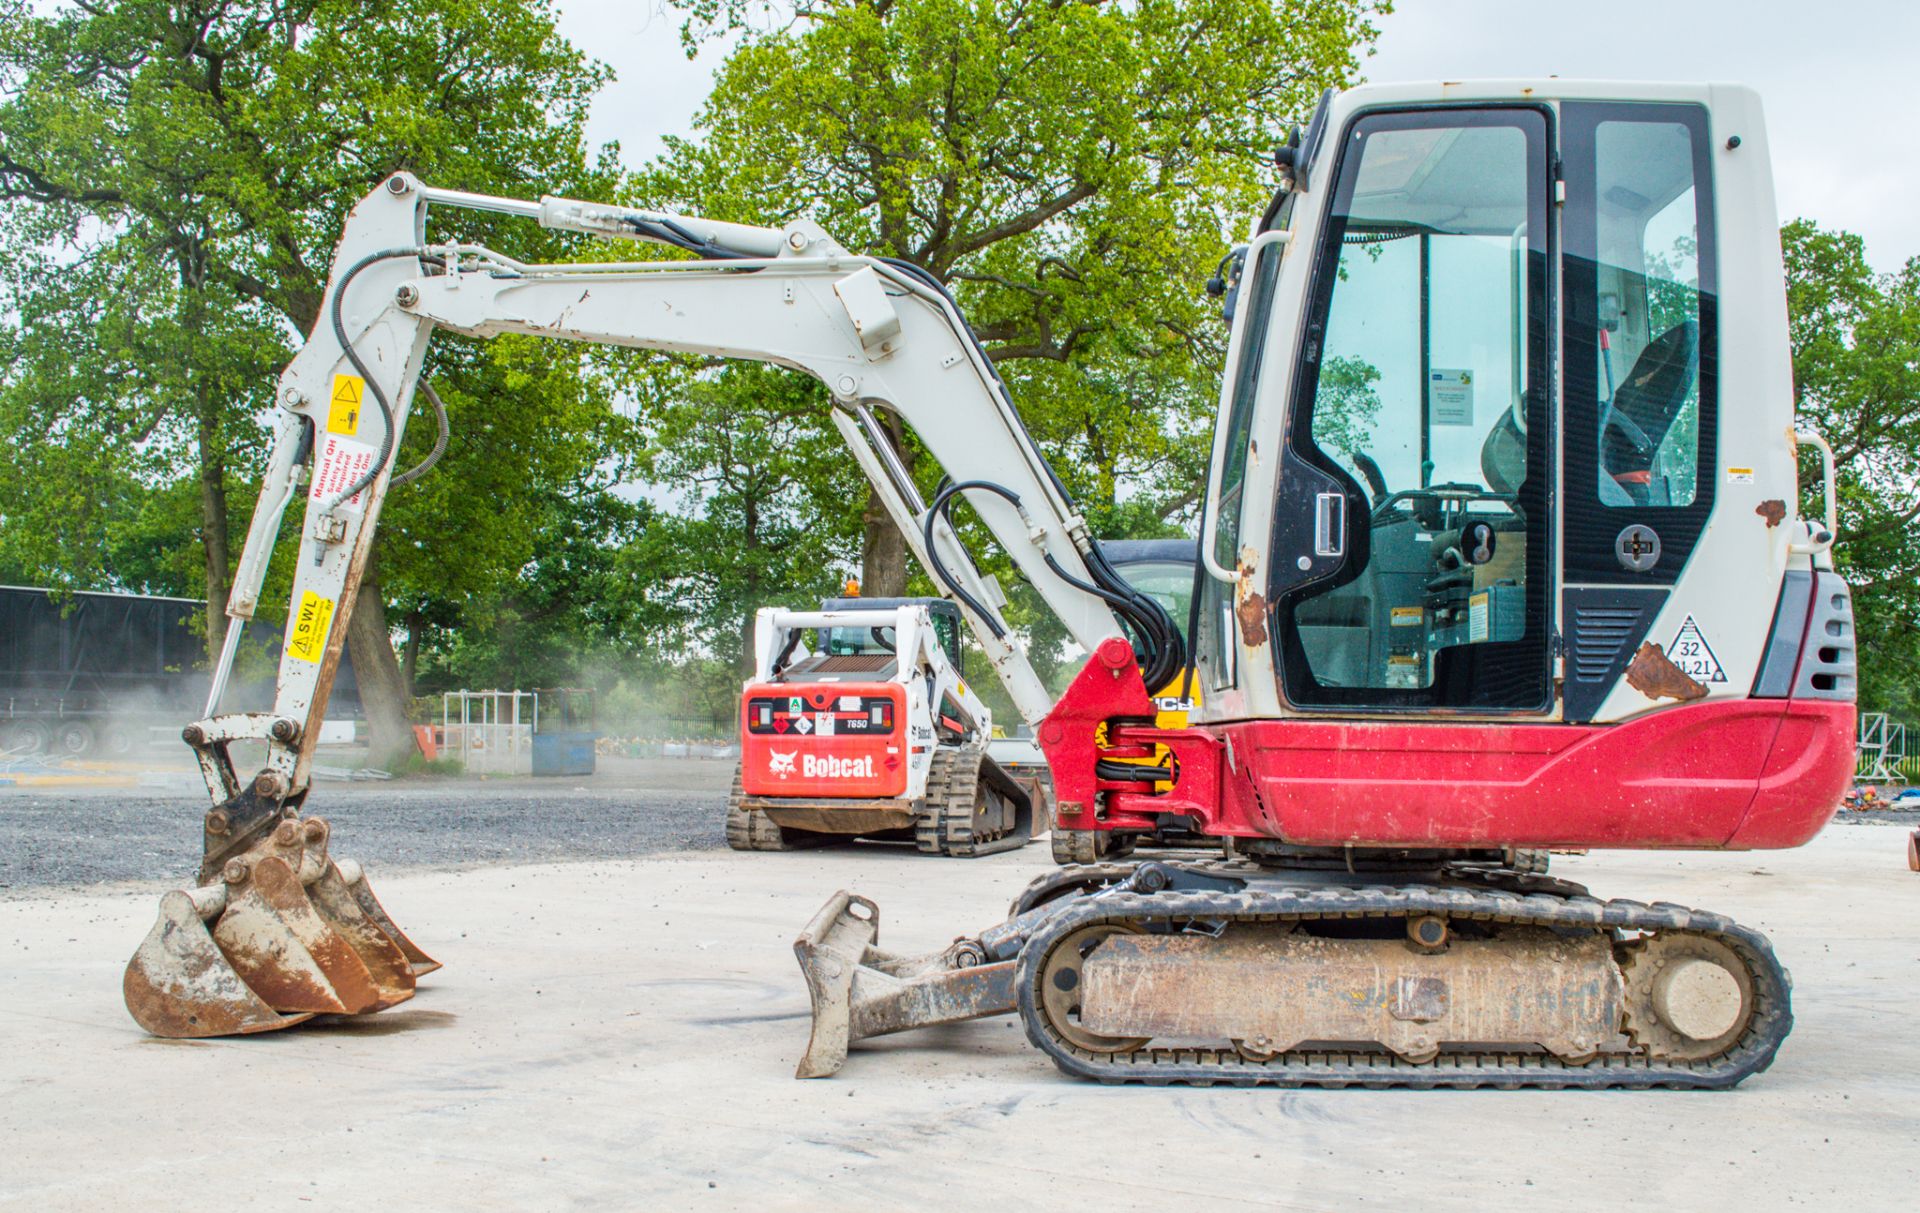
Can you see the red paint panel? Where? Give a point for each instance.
(1807, 772)
(1107, 686)
(1724, 774)
(838, 767)
(1679, 777)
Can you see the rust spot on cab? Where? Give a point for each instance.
(1251, 611)
(1774, 512)
(1654, 675)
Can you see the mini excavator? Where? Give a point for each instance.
(1500, 551)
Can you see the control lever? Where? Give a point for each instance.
(1470, 545)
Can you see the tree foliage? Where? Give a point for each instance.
(173, 177)
(1856, 378)
(1071, 171)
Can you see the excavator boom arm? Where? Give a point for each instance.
(879, 335)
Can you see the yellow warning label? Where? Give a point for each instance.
(343, 409)
(1409, 617)
(307, 639)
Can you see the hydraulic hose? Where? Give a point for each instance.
(439, 443)
(1165, 648)
(360, 367)
(940, 507)
(1162, 648)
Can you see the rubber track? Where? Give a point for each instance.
(945, 826)
(1091, 877)
(753, 831)
(1753, 1052)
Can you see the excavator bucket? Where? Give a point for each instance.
(289, 934)
(860, 991)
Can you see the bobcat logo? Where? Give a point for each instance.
(781, 764)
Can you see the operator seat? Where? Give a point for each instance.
(1644, 407)
(1503, 456)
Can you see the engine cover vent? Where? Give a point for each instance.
(1604, 625)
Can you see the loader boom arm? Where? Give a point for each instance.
(879, 334)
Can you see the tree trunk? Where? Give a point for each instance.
(883, 564)
(410, 660)
(213, 525)
(883, 558)
(744, 665)
(377, 671)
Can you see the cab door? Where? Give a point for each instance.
(1412, 560)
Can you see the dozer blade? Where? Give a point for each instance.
(290, 935)
(997, 784)
(860, 991)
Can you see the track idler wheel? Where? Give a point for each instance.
(1688, 997)
(288, 933)
(1063, 983)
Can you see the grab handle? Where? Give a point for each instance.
(1820, 539)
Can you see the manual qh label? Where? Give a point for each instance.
(342, 462)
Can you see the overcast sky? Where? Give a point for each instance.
(1838, 80)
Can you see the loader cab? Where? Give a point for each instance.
(1162, 569)
(1486, 355)
(879, 641)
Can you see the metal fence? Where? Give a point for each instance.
(1883, 751)
(490, 732)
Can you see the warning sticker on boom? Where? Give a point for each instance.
(343, 407)
(1691, 652)
(307, 638)
(342, 461)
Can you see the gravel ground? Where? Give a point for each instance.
(71, 838)
(1879, 817)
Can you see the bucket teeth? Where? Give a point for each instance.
(290, 934)
(356, 883)
(179, 983)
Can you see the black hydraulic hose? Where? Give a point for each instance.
(941, 504)
(1130, 772)
(1123, 606)
(1169, 647)
(439, 443)
(373, 385)
(666, 231)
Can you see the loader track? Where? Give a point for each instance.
(751, 831)
(1769, 1016)
(945, 825)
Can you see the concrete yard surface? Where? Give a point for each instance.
(622, 1035)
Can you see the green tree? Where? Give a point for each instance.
(757, 514)
(1070, 171)
(173, 177)
(1856, 379)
